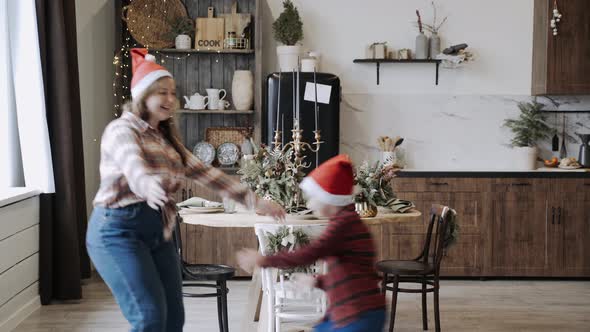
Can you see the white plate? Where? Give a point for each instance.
(195, 209)
(228, 154)
(570, 167)
(205, 152)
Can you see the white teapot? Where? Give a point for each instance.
(196, 102)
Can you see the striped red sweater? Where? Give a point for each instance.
(351, 283)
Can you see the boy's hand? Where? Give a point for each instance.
(305, 281)
(248, 259)
(270, 208)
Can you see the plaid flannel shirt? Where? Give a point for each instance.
(132, 151)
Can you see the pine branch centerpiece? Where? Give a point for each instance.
(287, 238)
(274, 175)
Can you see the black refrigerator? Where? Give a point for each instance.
(328, 111)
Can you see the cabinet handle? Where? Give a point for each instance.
(559, 215)
(520, 184)
(183, 194)
(438, 184)
(553, 215)
(190, 193)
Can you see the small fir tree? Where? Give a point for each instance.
(288, 28)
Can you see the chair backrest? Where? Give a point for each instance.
(263, 231)
(434, 243)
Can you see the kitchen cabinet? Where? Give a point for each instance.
(561, 63)
(468, 197)
(569, 230)
(521, 226)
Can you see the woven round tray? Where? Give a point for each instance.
(148, 23)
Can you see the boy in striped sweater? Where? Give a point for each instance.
(351, 284)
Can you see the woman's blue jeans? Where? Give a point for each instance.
(142, 270)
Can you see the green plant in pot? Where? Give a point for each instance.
(181, 29)
(288, 30)
(528, 129)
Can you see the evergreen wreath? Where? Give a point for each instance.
(288, 239)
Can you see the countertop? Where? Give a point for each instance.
(538, 173)
(15, 194)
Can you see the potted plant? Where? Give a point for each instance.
(180, 30)
(373, 187)
(288, 30)
(529, 128)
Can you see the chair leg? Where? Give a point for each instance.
(224, 306)
(436, 308)
(384, 284)
(270, 301)
(393, 302)
(424, 307)
(219, 305)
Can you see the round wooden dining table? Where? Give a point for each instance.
(221, 234)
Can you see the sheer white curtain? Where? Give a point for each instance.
(25, 150)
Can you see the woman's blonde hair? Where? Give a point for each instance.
(168, 127)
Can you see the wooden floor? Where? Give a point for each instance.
(465, 306)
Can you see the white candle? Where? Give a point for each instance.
(278, 102)
(294, 100)
(315, 85)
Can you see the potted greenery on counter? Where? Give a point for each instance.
(288, 30)
(528, 129)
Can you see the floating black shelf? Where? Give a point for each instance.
(379, 61)
(566, 111)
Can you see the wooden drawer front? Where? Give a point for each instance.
(521, 185)
(464, 258)
(581, 186)
(441, 185)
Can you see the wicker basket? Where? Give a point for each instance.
(148, 24)
(219, 135)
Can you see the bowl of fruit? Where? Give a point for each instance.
(553, 162)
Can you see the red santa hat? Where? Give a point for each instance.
(145, 71)
(332, 182)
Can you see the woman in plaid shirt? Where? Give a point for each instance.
(142, 163)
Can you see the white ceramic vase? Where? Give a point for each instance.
(182, 42)
(525, 158)
(242, 87)
(288, 57)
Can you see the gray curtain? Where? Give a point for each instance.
(63, 258)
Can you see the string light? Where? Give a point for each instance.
(121, 60)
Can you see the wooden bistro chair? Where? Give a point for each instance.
(196, 275)
(423, 270)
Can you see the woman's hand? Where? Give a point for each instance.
(270, 208)
(247, 259)
(155, 194)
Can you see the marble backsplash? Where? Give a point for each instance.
(442, 132)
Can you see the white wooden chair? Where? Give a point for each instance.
(285, 300)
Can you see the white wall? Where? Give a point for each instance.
(454, 125)
(95, 24)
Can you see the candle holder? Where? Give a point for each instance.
(297, 143)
